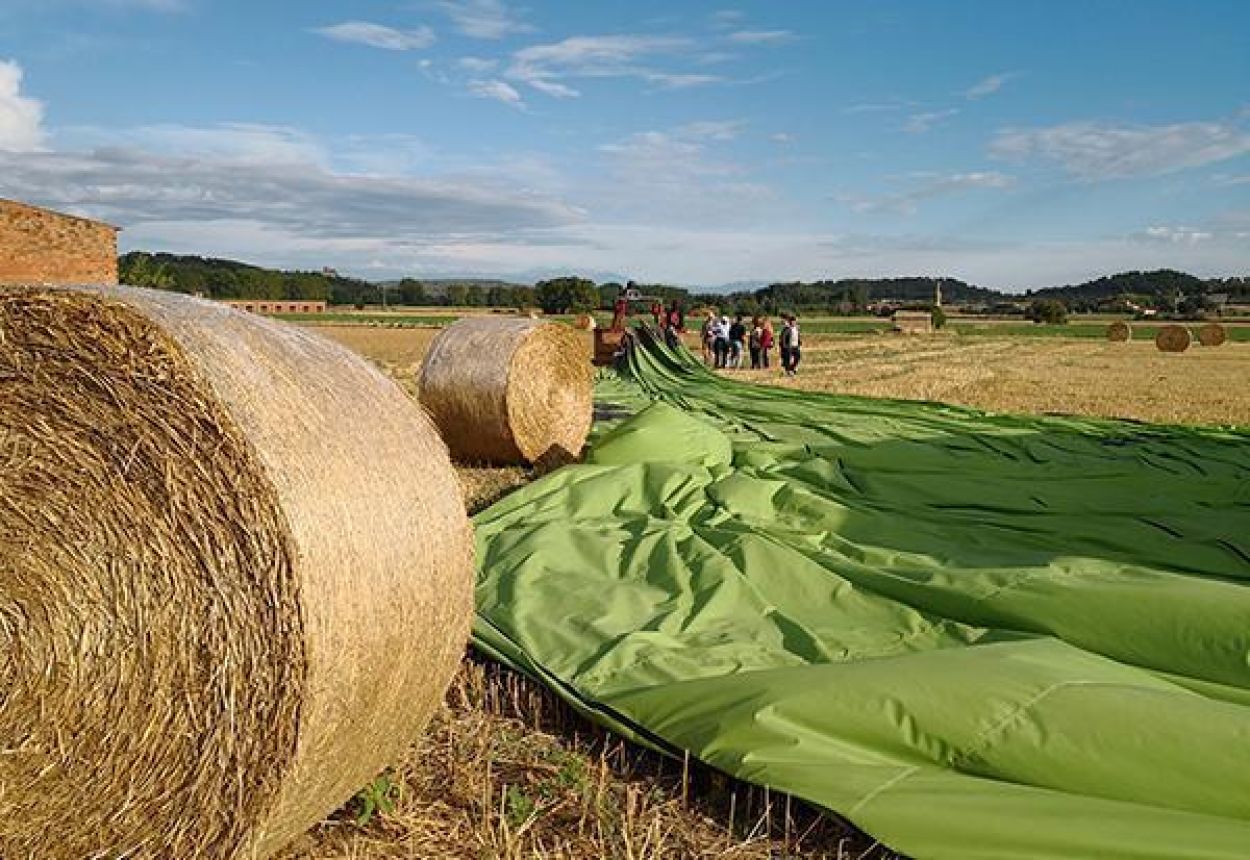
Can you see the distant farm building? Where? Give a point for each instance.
(274, 306)
(913, 322)
(39, 246)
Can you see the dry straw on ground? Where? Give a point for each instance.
(1173, 338)
(235, 576)
(1119, 332)
(1212, 334)
(509, 391)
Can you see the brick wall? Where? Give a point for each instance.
(38, 246)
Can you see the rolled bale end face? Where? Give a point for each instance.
(221, 611)
(1173, 338)
(1212, 334)
(1119, 332)
(509, 391)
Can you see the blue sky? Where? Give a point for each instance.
(1012, 144)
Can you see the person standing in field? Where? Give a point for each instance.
(720, 344)
(766, 342)
(676, 326)
(709, 339)
(737, 339)
(791, 346)
(754, 341)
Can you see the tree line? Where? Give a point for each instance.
(1165, 290)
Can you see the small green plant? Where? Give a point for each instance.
(376, 797)
(519, 807)
(939, 317)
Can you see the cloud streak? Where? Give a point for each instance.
(1094, 151)
(485, 19)
(378, 35)
(921, 123)
(548, 68)
(761, 37)
(500, 91)
(928, 186)
(987, 86)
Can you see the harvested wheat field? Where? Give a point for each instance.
(1204, 385)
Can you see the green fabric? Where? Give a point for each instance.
(972, 635)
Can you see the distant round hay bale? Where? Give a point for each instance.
(1119, 332)
(509, 391)
(1173, 338)
(585, 322)
(236, 576)
(1212, 334)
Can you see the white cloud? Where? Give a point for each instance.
(1176, 235)
(278, 211)
(919, 123)
(761, 37)
(379, 35)
(545, 67)
(484, 19)
(987, 86)
(926, 187)
(21, 117)
(1226, 179)
(500, 91)
(477, 65)
(675, 81)
(1097, 151)
(781, 137)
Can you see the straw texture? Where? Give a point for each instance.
(509, 391)
(226, 601)
(1212, 334)
(1119, 332)
(585, 322)
(1173, 338)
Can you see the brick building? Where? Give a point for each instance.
(39, 246)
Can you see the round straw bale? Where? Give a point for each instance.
(235, 576)
(1119, 332)
(1212, 334)
(586, 322)
(1173, 338)
(509, 391)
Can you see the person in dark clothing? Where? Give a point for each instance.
(737, 336)
(791, 346)
(754, 341)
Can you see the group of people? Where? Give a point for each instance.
(726, 344)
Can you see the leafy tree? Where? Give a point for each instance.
(563, 295)
(141, 270)
(939, 317)
(1048, 312)
(458, 295)
(411, 292)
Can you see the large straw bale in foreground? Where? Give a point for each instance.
(235, 576)
(509, 391)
